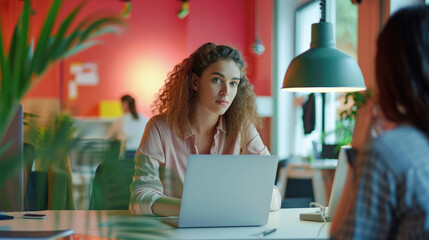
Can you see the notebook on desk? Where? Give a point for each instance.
(226, 191)
(346, 154)
(41, 235)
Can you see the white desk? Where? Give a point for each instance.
(325, 164)
(96, 223)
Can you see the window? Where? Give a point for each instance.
(344, 19)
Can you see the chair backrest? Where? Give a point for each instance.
(111, 185)
(294, 171)
(49, 190)
(329, 151)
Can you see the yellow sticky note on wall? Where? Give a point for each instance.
(110, 109)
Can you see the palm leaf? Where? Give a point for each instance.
(105, 30)
(44, 36)
(9, 163)
(5, 76)
(70, 44)
(81, 47)
(5, 147)
(96, 25)
(13, 42)
(26, 60)
(67, 42)
(18, 62)
(26, 70)
(62, 30)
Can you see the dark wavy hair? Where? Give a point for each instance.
(131, 105)
(177, 98)
(402, 67)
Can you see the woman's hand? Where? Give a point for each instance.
(276, 200)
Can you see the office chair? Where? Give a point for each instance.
(295, 182)
(49, 191)
(111, 185)
(329, 151)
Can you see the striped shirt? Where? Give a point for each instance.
(391, 189)
(160, 162)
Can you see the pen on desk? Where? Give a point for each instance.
(268, 231)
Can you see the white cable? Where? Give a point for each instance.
(322, 212)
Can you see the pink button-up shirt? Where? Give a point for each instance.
(162, 157)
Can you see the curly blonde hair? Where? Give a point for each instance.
(177, 99)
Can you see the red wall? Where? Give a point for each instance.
(47, 86)
(137, 62)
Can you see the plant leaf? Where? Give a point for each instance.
(27, 70)
(5, 71)
(44, 58)
(9, 163)
(44, 37)
(80, 47)
(105, 30)
(61, 32)
(67, 42)
(94, 26)
(22, 52)
(5, 147)
(13, 42)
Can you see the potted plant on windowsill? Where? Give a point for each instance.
(25, 61)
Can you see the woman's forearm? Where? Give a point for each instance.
(166, 206)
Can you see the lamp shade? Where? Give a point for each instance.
(323, 68)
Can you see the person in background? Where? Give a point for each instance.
(129, 128)
(207, 106)
(387, 195)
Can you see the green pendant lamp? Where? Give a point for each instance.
(323, 68)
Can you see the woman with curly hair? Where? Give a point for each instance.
(207, 106)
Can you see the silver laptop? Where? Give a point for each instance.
(226, 191)
(337, 187)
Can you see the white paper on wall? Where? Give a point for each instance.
(86, 74)
(72, 90)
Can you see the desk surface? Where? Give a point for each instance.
(120, 224)
(328, 164)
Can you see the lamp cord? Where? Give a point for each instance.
(323, 10)
(256, 19)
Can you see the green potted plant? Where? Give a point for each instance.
(26, 60)
(347, 118)
(53, 143)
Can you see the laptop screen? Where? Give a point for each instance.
(227, 190)
(339, 179)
